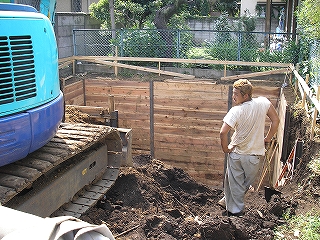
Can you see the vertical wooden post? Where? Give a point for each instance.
(113, 113)
(111, 103)
(159, 67)
(225, 70)
(74, 67)
(226, 155)
(315, 114)
(151, 119)
(84, 92)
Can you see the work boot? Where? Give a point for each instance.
(222, 203)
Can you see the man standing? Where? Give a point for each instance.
(247, 146)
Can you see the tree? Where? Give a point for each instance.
(127, 14)
(229, 6)
(139, 13)
(308, 17)
(165, 13)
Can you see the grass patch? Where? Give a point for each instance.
(306, 227)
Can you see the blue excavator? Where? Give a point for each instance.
(31, 103)
(47, 167)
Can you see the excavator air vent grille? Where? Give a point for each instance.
(17, 69)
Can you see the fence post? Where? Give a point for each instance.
(315, 114)
(151, 119)
(74, 52)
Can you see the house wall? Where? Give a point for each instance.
(66, 5)
(65, 22)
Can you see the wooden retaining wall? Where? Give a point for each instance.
(187, 118)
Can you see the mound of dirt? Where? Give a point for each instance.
(152, 200)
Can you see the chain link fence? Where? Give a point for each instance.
(187, 44)
(315, 63)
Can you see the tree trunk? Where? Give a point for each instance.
(165, 13)
(161, 22)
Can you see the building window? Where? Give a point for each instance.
(76, 5)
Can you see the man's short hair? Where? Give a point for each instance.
(244, 86)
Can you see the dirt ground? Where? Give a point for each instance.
(152, 200)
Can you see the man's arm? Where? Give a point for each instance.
(273, 115)
(224, 137)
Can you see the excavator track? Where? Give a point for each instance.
(66, 176)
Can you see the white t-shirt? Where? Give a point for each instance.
(248, 122)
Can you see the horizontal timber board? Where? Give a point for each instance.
(191, 86)
(185, 131)
(74, 86)
(180, 60)
(217, 163)
(73, 94)
(94, 90)
(75, 101)
(189, 140)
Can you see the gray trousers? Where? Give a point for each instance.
(241, 172)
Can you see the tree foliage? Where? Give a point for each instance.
(128, 13)
(230, 7)
(308, 17)
(142, 13)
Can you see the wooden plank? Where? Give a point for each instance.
(190, 113)
(95, 90)
(89, 109)
(215, 123)
(79, 100)
(256, 74)
(266, 92)
(191, 94)
(198, 104)
(74, 86)
(183, 154)
(74, 94)
(108, 82)
(182, 60)
(133, 67)
(190, 86)
(186, 161)
(183, 131)
(189, 140)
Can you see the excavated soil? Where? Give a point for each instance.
(152, 200)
